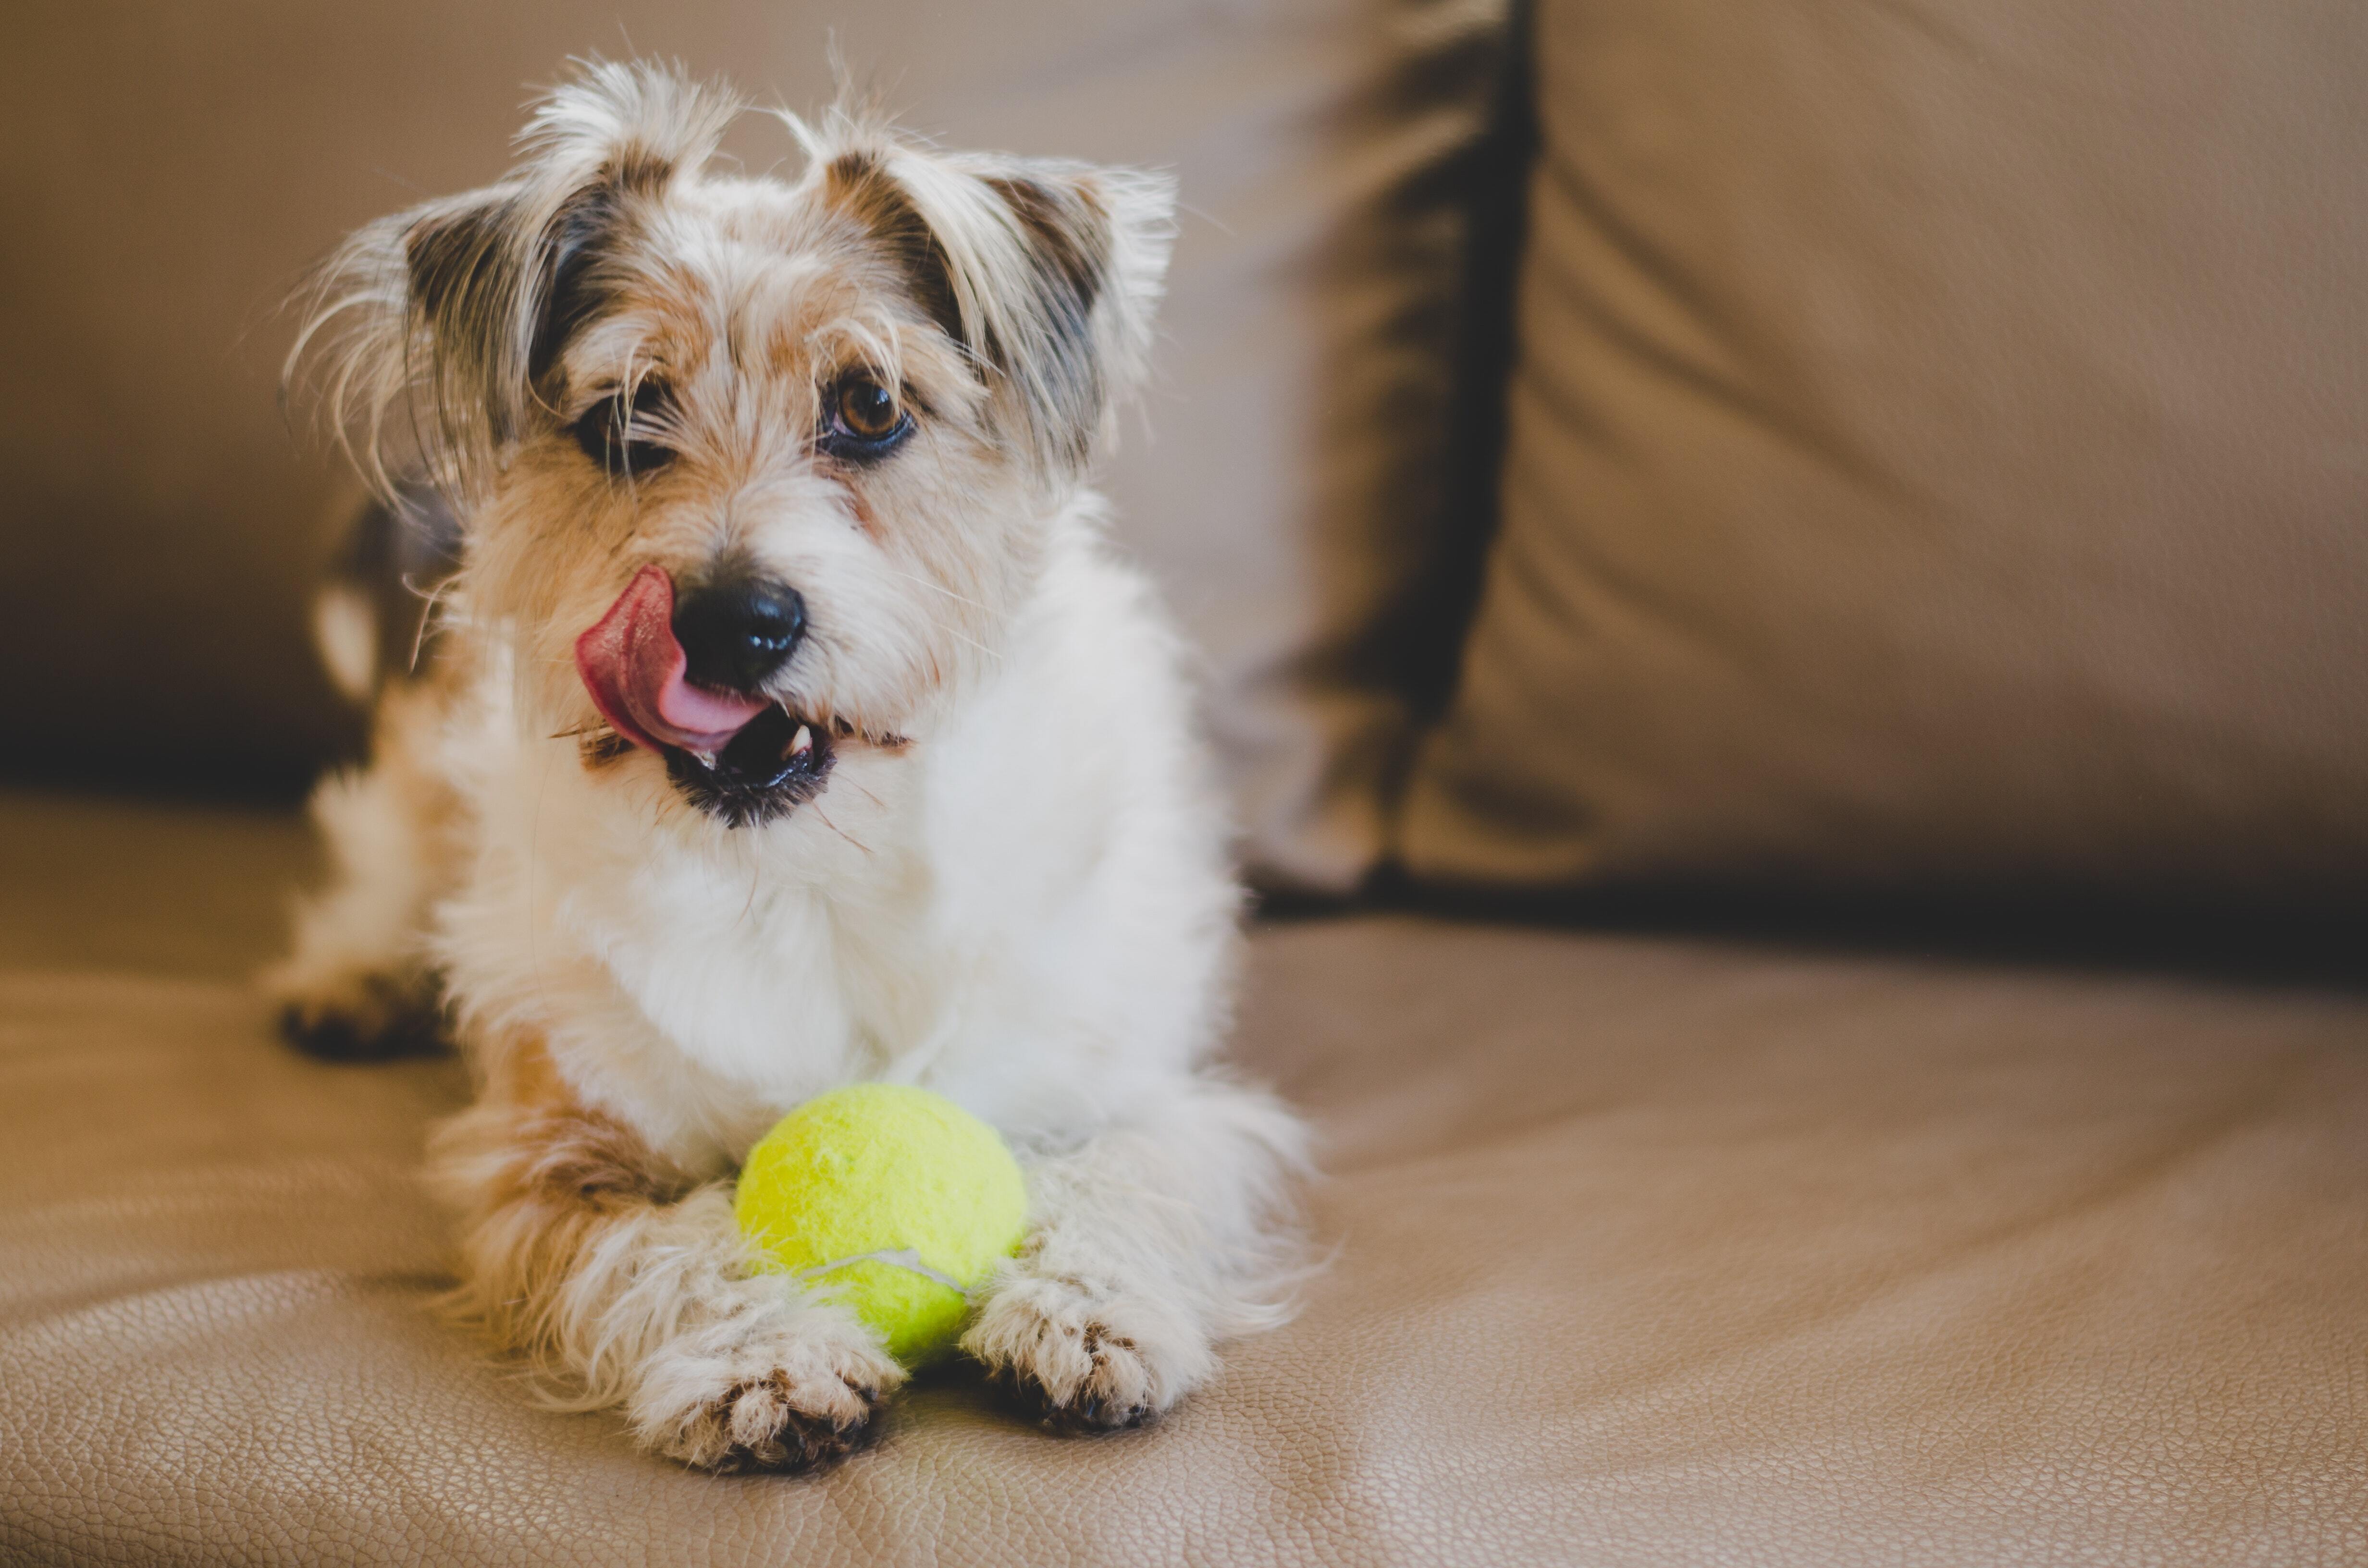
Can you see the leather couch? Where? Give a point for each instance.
(1822, 948)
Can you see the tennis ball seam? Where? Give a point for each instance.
(907, 1259)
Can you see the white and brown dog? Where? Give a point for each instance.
(788, 723)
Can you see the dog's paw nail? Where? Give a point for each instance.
(1082, 1414)
(1059, 1365)
(761, 1425)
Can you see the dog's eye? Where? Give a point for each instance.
(867, 410)
(862, 418)
(626, 437)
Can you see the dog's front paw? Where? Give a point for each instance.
(1082, 1359)
(786, 1397)
(360, 1017)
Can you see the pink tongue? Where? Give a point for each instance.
(632, 666)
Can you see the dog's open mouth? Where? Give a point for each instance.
(774, 763)
(744, 759)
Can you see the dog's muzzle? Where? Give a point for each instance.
(685, 680)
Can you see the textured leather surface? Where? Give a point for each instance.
(179, 167)
(1650, 1250)
(1936, 455)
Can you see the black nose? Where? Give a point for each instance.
(736, 630)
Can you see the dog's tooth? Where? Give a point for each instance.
(706, 758)
(803, 741)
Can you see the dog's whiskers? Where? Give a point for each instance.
(841, 832)
(937, 587)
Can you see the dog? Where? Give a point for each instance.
(784, 722)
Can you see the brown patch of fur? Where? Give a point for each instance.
(602, 748)
(538, 1173)
(544, 1147)
(860, 185)
(639, 168)
(579, 1155)
(1069, 234)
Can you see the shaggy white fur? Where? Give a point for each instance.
(1006, 881)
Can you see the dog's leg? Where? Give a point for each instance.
(357, 984)
(1150, 1244)
(628, 1282)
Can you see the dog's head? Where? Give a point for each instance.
(751, 471)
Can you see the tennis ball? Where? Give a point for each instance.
(888, 1198)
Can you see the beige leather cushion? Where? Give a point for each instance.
(1650, 1251)
(1938, 454)
(175, 168)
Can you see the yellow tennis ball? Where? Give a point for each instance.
(890, 1198)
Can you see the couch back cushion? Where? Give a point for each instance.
(1939, 455)
(176, 168)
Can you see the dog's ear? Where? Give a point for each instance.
(1047, 272)
(462, 307)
